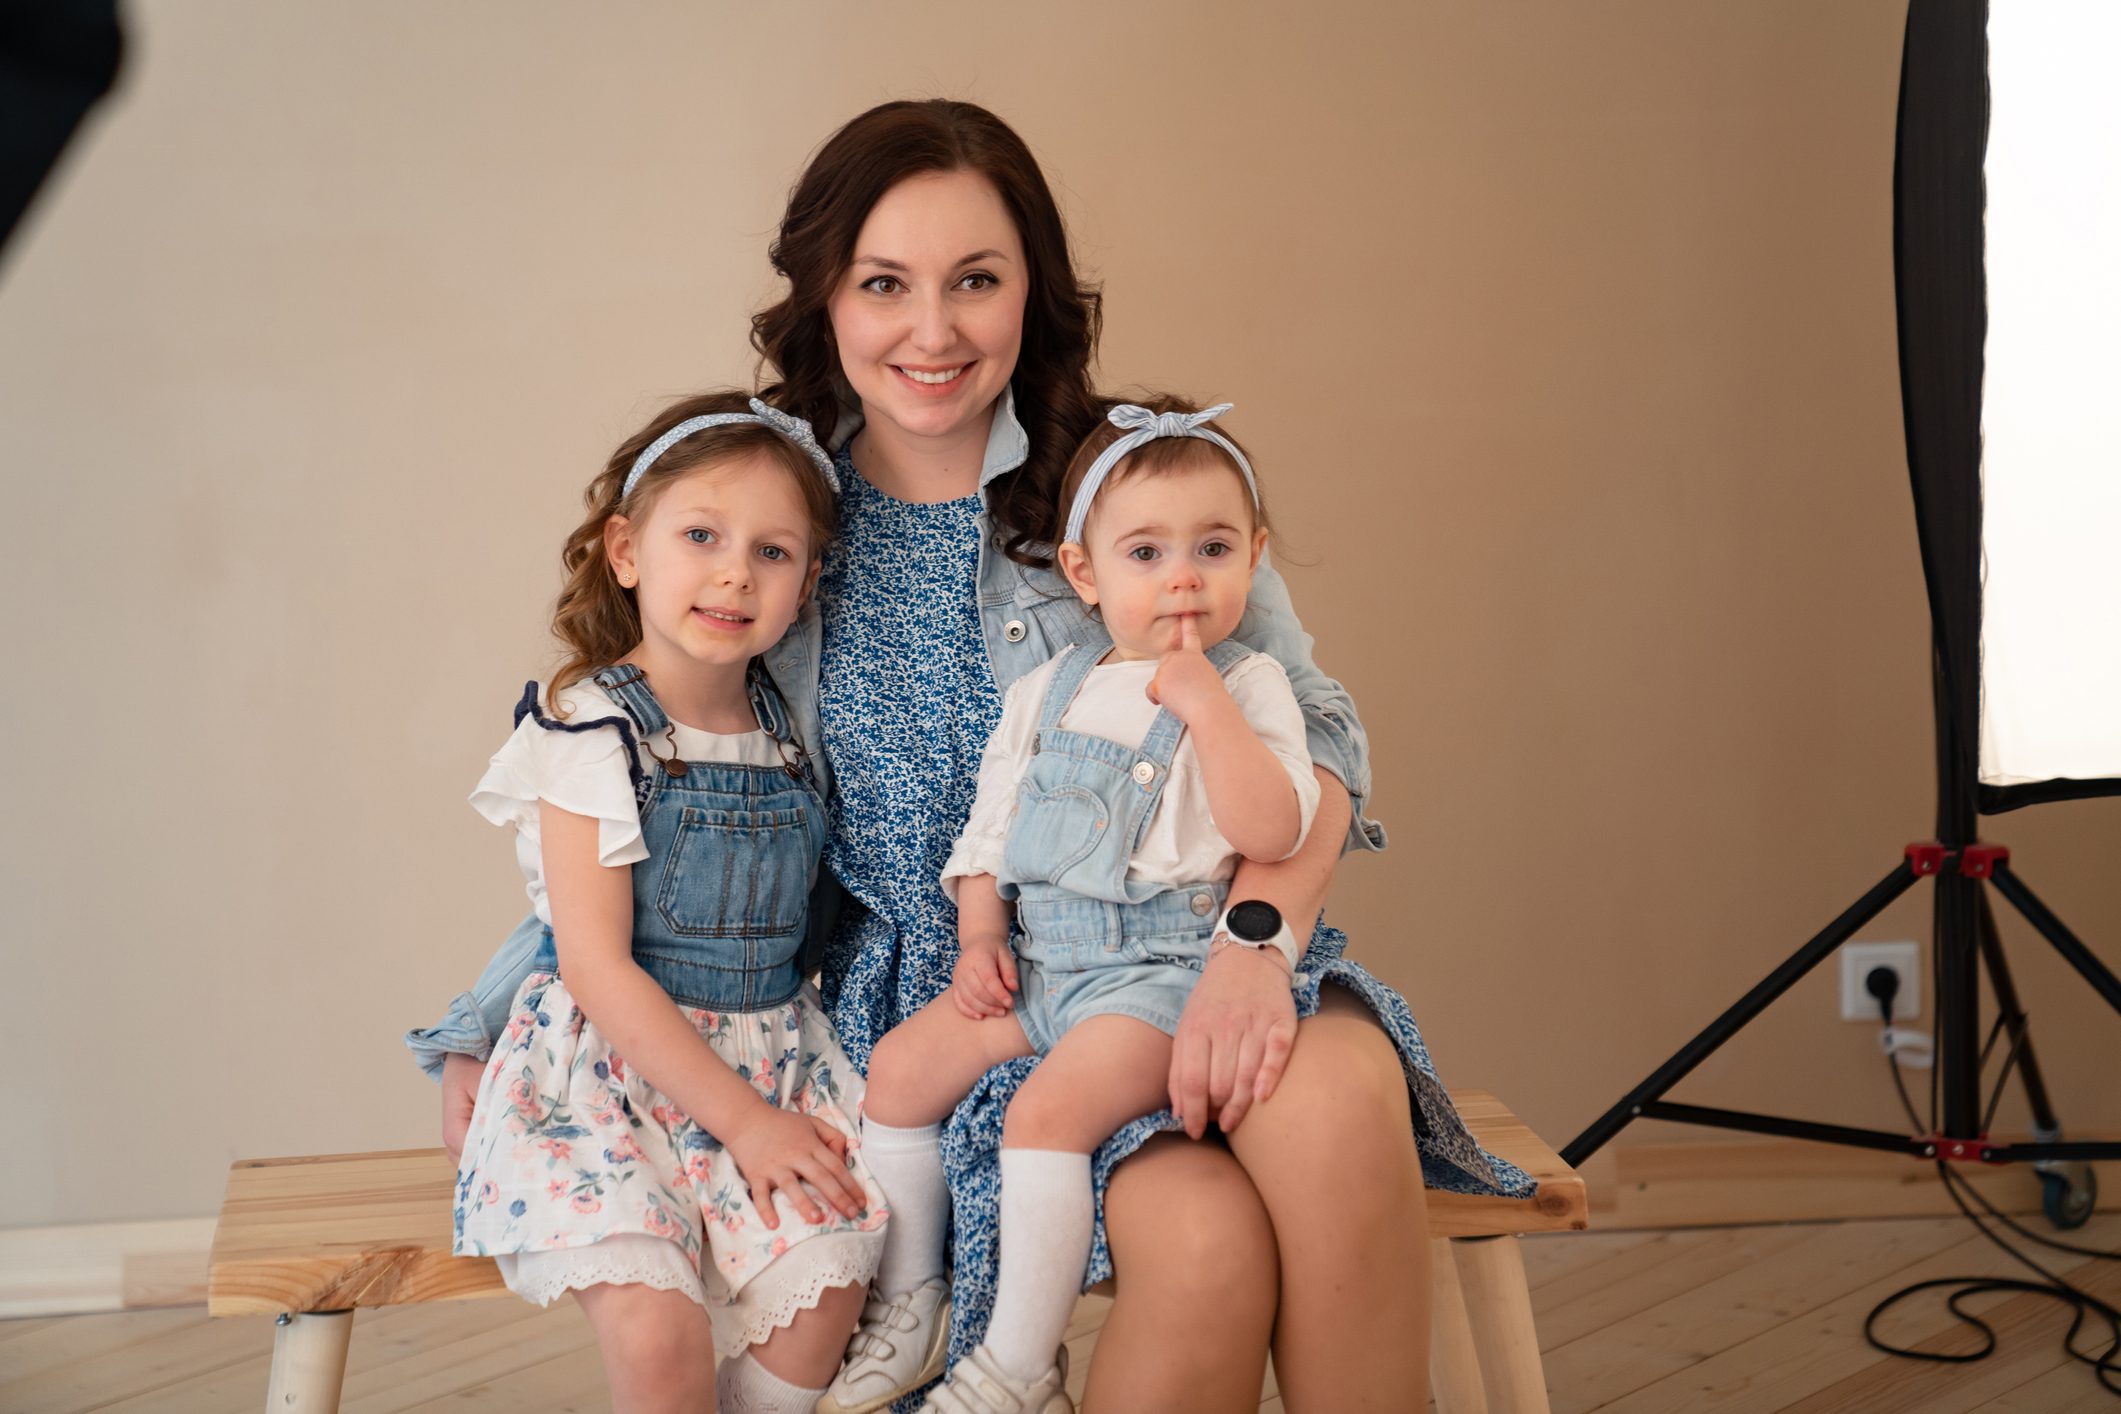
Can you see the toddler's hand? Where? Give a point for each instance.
(778, 1149)
(1185, 680)
(984, 977)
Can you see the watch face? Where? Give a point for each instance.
(1255, 921)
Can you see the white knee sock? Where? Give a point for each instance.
(743, 1386)
(908, 1164)
(1047, 1217)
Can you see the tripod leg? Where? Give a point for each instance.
(1999, 977)
(1836, 933)
(2068, 1191)
(2065, 942)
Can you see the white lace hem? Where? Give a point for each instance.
(794, 1282)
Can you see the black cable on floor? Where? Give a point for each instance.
(2105, 1367)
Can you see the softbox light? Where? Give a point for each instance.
(2050, 632)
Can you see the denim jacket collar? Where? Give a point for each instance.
(1008, 445)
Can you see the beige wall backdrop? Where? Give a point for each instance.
(1564, 334)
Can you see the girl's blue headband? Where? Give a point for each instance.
(1145, 427)
(793, 428)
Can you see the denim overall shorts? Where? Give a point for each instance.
(1095, 942)
(721, 901)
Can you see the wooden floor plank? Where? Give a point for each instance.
(125, 1355)
(1549, 1256)
(1809, 1350)
(2029, 1330)
(2068, 1389)
(1673, 1338)
(568, 1383)
(1650, 1275)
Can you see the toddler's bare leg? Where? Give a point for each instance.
(1104, 1072)
(927, 1063)
(657, 1345)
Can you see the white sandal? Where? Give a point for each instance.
(901, 1344)
(977, 1385)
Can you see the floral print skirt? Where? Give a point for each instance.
(569, 1147)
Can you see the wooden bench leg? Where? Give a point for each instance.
(1499, 1309)
(309, 1362)
(1454, 1365)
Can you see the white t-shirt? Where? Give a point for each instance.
(586, 772)
(1180, 844)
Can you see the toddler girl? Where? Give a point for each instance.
(665, 1129)
(1115, 799)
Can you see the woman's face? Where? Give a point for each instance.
(929, 317)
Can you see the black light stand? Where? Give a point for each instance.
(1940, 282)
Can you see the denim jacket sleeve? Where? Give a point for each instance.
(479, 1015)
(1332, 731)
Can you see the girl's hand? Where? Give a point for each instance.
(1233, 1040)
(984, 977)
(780, 1150)
(1185, 681)
(460, 1092)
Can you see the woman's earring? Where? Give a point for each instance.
(626, 579)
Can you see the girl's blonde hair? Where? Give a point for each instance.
(1157, 457)
(595, 618)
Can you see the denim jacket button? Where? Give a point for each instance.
(1014, 630)
(1144, 772)
(1203, 905)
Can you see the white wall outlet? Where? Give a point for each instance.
(1857, 960)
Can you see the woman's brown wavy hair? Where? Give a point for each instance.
(596, 619)
(1062, 314)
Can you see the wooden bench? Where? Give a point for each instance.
(312, 1240)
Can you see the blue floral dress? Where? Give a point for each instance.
(908, 699)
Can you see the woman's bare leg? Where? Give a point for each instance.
(1194, 1256)
(657, 1346)
(1332, 1157)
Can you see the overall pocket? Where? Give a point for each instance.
(1054, 831)
(737, 873)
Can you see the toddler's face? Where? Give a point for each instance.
(1161, 548)
(723, 560)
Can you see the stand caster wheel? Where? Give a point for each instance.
(2069, 1193)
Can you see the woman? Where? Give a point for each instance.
(934, 317)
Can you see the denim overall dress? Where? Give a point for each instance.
(1096, 942)
(719, 905)
(569, 1146)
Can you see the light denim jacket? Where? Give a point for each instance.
(1026, 616)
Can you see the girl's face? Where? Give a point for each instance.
(1160, 549)
(929, 317)
(720, 565)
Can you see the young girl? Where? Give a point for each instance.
(1114, 802)
(666, 1128)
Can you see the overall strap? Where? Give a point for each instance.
(1069, 675)
(771, 709)
(628, 686)
(1160, 744)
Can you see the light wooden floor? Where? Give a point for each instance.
(1724, 1319)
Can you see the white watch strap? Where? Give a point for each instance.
(1283, 941)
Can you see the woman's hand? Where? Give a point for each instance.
(780, 1149)
(460, 1092)
(984, 977)
(1233, 1039)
